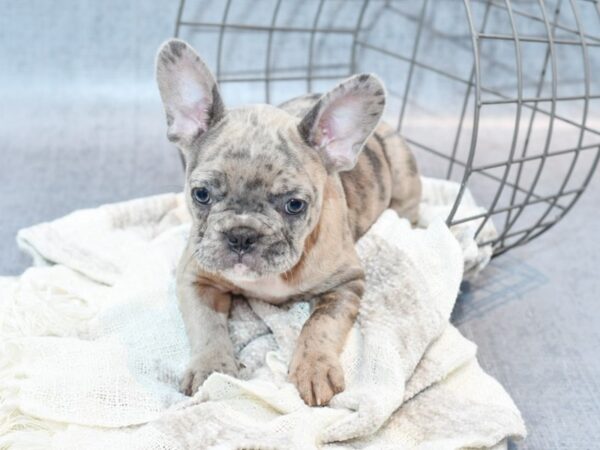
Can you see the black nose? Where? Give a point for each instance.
(241, 239)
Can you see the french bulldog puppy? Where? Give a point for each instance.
(278, 196)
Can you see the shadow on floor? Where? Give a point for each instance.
(506, 279)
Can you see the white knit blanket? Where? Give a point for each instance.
(93, 344)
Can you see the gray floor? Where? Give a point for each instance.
(535, 316)
(81, 125)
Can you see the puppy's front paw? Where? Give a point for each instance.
(201, 366)
(317, 375)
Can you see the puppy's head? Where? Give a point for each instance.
(255, 175)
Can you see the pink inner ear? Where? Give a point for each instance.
(341, 117)
(191, 121)
(192, 102)
(340, 128)
(199, 113)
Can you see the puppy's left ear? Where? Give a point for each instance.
(343, 119)
(188, 90)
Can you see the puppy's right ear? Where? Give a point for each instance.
(188, 90)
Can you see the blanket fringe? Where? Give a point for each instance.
(18, 429)
(23, 314)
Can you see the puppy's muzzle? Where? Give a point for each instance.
(241, 239)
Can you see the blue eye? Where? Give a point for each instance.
(295, 206)
(201, 195)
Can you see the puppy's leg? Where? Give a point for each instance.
(315, 368)
(205, 310)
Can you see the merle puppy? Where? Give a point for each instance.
(278, 197)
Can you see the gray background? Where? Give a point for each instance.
(81, 125)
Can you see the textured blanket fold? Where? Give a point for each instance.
(93, 344)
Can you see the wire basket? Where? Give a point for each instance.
(502, 96)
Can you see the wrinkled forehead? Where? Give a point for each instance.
(258, 132)
(257, 149)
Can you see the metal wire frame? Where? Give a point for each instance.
(460, 158)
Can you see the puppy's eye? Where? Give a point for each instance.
(295, 206)
(201, 196)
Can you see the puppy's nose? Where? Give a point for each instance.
(241, 239)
